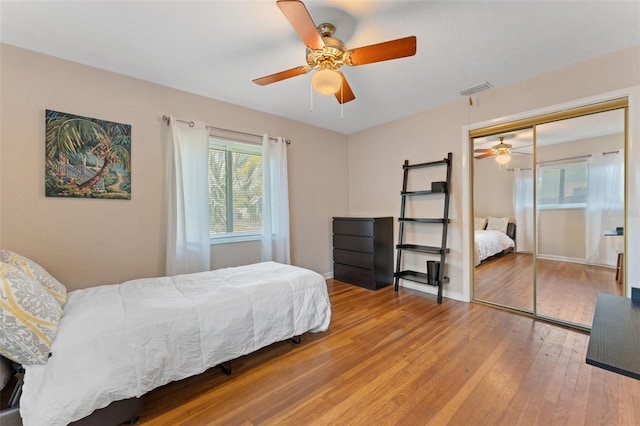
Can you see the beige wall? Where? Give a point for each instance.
(493, 190)
(88, 242)
(561, 234)
(376, 155)
(91, 242)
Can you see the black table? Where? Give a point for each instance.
(615, 335)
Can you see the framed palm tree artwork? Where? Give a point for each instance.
(87, 157)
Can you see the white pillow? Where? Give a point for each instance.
(479, 223)
(498, 224)
(29, 317)
(36, 271)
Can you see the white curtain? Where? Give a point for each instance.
(188, 246)
(605, 207)
(275, 214)
(523, 207)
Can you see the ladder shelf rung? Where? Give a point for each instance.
(423, 192)
(442, 162)
(418, 277)
(421, 248)
(423, 219)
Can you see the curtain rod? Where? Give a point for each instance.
(577, 158)
(191, 124)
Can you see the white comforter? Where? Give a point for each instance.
(121, 341)
(490, 242)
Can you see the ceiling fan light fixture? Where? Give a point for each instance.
(326, 82)
(326, 54)
(503, 158)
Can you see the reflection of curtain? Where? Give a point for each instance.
(523, 207)
(188, 246)
(605, 207)
(275, 214)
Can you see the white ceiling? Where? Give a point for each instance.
(215, 48)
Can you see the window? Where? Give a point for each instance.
(563, 186)
(235, 190)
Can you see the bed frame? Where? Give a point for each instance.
(126, 411)
(511, 233)
(119, 412)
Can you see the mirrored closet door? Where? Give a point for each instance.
(549, 203)
(580, 214)
(503, 216)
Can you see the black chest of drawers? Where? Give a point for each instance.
(363, 251)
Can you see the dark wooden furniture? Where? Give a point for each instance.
(442, 189)
(363, 251)
(615, 335)
(619, 232)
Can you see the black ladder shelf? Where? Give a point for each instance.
(442, 250)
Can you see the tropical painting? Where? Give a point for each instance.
(87, 157)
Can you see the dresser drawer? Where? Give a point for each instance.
(353, 275)
(353, 258)
(363, 251)
(348, 242)
(358, 227)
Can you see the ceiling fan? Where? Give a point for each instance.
(326, 54)
(501, 151)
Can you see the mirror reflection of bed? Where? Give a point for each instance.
(505, 278)
(575, 255)
(503, 274)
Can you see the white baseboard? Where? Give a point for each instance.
(433, 290)
(572, 260)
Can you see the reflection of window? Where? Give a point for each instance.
(235, 190)
(562, 185)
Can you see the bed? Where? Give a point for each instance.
(118, 342)
(493, 239)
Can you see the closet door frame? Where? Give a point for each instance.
(629, 99)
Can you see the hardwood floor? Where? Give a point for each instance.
(401, 359)
(506, 280)
(567, 291)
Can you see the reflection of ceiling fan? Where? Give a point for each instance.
(326, 54)
(501, 151)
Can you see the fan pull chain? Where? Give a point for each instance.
(341, 101)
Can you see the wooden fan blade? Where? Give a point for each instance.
(393, 49)
(482, 150)
(282, 75)
(488, 154)
(298, 16)
(344, 94)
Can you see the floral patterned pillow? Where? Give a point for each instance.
(29, 317)
(36, 271)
